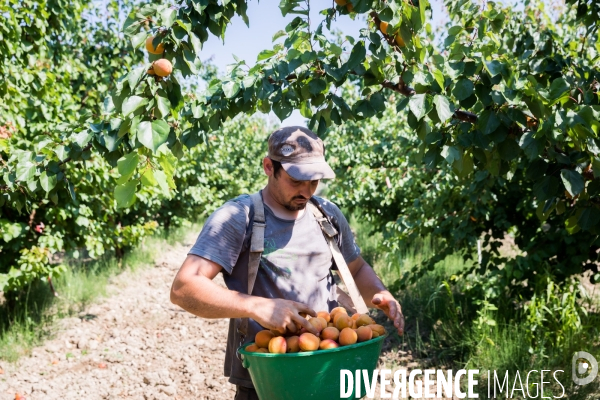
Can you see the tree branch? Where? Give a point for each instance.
(399, 87)
(66, 160)
(407, 91)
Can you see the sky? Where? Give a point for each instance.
(265, 20)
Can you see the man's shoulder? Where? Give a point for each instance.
(243, 200)
(328, 206)
(234, 209)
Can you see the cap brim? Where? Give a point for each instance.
(309, 171)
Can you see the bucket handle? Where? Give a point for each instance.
(245, 363)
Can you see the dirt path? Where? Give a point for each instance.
(135, 344)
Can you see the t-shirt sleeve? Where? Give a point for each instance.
(349, 249)
(222, 236)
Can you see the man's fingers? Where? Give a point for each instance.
(303, 308)
(291, 327)
(307, 325)
(376, 299)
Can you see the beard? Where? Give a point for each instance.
(295, 207)
(291, 207)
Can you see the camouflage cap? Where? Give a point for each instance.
(300, 152)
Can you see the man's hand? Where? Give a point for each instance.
(386, 303)
(280, 314)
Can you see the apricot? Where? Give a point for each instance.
(338, 310)
(375, 334)
(377, 328)
(278, 345)
(154, 50)
(151, 72)
(308, 342)
(325, 315)
(323, 322)
(330, 333)
(348, 337)
(252, 348)
(400, 41)
(341, 2)
(275, 332)
(383, 27)
(330, 325)
(355, 316)
(364, 320)
(350, 7)
(328, 344)
(364, 333)
(318, 323)
(343, 321)
(262, 350)
(162, 67)
(292, 344)
(339, 315)
(263, 338)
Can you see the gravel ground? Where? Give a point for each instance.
(135, 344)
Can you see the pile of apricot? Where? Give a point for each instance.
(335, 329)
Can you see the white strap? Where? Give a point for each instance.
(257, 246)
(346, 275)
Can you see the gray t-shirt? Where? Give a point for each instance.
(295, 265)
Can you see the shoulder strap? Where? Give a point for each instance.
(329, 232)
(257, 246)
(257, 241)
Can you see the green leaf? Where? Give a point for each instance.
(357, 56)
(420, 105)
(279, 34)
(133, 103)
(546, 188)
(590, 216)
(153, 134)
(231, 89)
(438, 76)
(148, 179)
(125, 194)
(494, 67)
(138, 39)
(168, 16)
(378, 102)
(444, 109)
(133, 77)
(265, 54)
(488, 122)
(571, 224)
(82, 138)
(48, 182)
(25, 171)
(463, 89)
(163, 181)
(163, 105)
(127, 165)
(558, 88)
(573, 181)
(316, 86)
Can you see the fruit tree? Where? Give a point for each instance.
(508, 94)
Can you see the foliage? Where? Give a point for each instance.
(76, 202)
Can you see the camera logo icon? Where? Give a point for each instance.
(582, 363)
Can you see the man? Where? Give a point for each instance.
(295, 268)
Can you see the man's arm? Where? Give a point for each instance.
(194, 290)
(371, 287)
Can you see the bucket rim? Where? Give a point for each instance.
(242, 349)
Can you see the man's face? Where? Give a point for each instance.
(290, 193)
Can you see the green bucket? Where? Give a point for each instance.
(309, 375)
